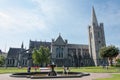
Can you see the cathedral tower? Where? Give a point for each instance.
(96, 38)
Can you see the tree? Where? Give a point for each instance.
(109, 52)
(118, 61)
(41, 56)
(2, 60)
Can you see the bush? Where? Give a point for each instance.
(2, 60)
(118, 63)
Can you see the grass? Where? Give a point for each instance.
(13, 70)
(114, 77)
(93, 69)
(72, 69)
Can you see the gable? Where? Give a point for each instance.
(59, 41)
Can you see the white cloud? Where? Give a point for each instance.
(17, 19)
(20, 21)
(109, 14)
(51, 9)
(5, 20)
(49, 17)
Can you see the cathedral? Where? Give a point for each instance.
(62, 52)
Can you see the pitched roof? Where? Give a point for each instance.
(14, 52)
(37, 44)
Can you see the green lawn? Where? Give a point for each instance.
(93, 69)
(114, 77)
(12, 70)
(72, 69)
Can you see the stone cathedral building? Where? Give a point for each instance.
(62, 52)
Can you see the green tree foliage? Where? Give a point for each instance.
(109, 52)
(118, 62)
(2, 60)
(41, 56)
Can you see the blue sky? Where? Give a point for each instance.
(42, 20)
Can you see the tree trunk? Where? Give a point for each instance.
(110, 59)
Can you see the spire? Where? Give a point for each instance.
(22, 46)
(59, 34)
(59, 37)
(94, 19)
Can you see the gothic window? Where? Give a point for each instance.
(13, 61)
(79, 51)
(23, 61)
(8, 61)
(98, 34)
(93, 24)
(99, 42)
(59, 52)
(90, 34)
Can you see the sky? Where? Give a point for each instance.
(43, 20)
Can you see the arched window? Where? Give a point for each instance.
(59, 52)
(98, 34)
(90, 34)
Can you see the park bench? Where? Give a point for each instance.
(45, 69)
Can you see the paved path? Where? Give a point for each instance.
(91, 77)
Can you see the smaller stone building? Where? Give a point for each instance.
(14, 57)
